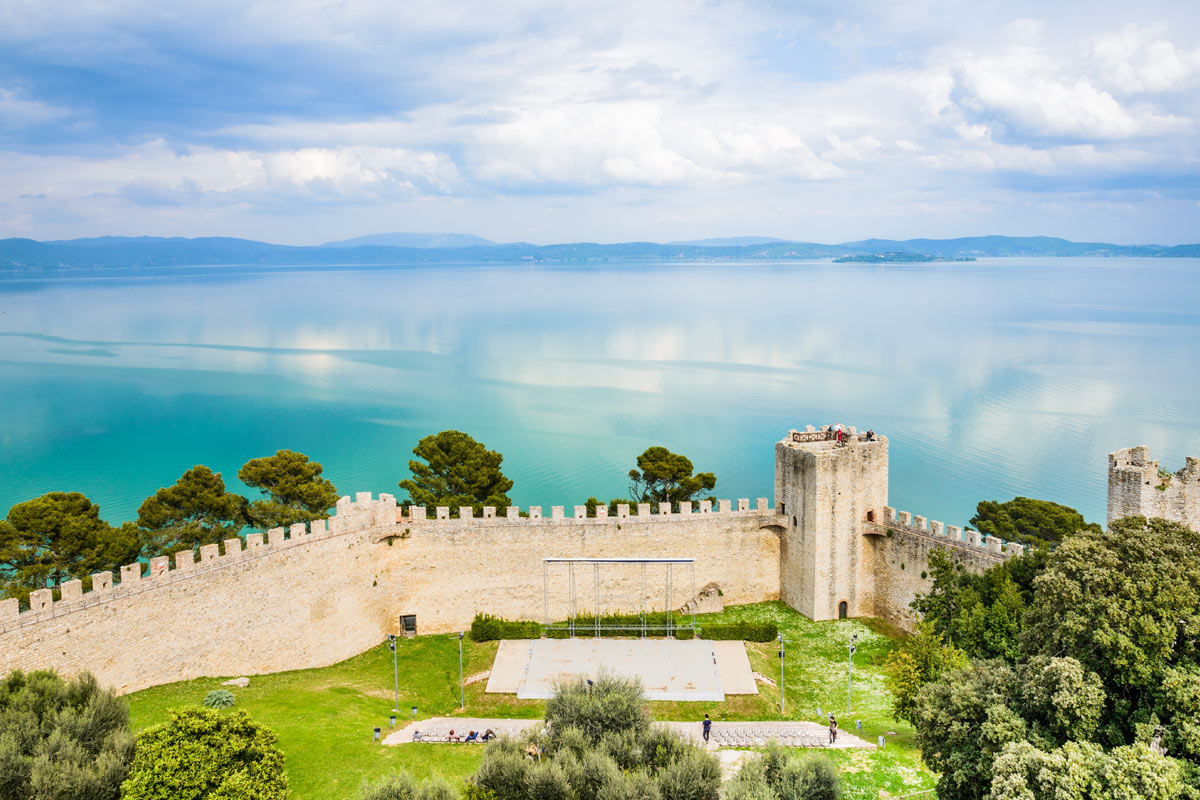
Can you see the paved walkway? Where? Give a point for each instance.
(724, 734)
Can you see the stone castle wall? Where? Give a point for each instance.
(900, 547)
(1135, 489)
(313, 595)
(309, 597)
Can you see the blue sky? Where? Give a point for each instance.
(302, 121)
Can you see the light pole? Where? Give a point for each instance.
(395, 671)
(462, 703)
(781, 674)
(850, 668)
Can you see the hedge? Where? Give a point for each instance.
(743, 631)
(486, 628)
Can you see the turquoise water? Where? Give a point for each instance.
(992, 379)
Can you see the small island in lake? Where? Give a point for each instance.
(897, 258)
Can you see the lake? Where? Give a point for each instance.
(992, 379)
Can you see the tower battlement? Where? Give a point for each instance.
(1136, 488)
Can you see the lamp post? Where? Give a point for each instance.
(462, 703)
(781, 674)
(395, 672)
(850, 668)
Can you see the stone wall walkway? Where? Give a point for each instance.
(723, 734)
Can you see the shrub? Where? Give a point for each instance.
(807, 779)
(199, 753)
(547, 781)
(487, 628)
(629, 786)
(693, 775)
(613, 704)
(218, 698)
(589, 773)
(503, 773)
(62, 740)
(745, 631)
(391, 787)
(437, 789)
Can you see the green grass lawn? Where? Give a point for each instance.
(324, 717)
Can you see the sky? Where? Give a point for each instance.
(303, 121)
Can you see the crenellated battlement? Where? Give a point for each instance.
(361, 514)
(970, 540)
(354, 516)
(313, 594)
(534, 515)
(1136, 488)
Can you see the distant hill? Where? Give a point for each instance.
(147, 251)
(422, 240)
(731, 241)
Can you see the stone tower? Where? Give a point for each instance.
(1137, 489)
(824, 493)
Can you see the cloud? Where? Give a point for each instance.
(615, 116)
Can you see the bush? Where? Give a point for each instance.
(392, 787)
(742, 631)
(62, 740)
(487, 628)
(807, 779)
(503, 773)
(437, 789)
(693, 775)
(656, 623)
(402, 787)
(629, 786)
(547, 781)
(218, 698)
(613, 704)
(199, 753)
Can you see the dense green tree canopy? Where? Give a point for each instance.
(923, 657)
(1024, 519)
(666, 477)
(59, 536)
(983, 615)
(1085, 771)
(202, 754)
(1108, 664)
(966, 718)
(196, 511)
(295, 490)
(62, 740)
(1126, 604)
(455, 470)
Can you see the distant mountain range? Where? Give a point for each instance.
(422, 240)
(147, 251)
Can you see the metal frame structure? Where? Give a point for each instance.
(643, 628)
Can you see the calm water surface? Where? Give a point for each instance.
(993, 379)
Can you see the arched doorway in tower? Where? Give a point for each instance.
(842, 610)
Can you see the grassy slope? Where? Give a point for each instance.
(324, 716)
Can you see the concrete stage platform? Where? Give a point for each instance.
(669, 669)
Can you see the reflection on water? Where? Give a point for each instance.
(997, 378)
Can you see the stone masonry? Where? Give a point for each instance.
(315, 594)
(1136, 489)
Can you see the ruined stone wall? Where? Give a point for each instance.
(1136, 489)
(309, 597)
(900, 545)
